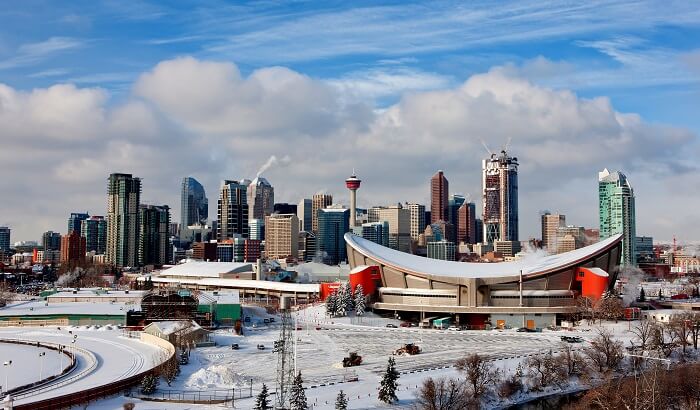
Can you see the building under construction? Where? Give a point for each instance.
(169, 304)
(500, 198)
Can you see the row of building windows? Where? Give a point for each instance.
(533, 297)
(419, 295)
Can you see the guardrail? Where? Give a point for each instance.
(51, 346)
(95, 393)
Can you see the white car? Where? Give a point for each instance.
(454, 328)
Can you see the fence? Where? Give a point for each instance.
(198, 396)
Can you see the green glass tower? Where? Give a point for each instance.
(616, 212)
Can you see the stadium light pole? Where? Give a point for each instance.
(41, 364)
(7, 365)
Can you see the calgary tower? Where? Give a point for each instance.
(353, 184)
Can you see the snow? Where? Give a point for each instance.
(25, 358)
(104, 356)
(40, 308)
(201, 269)
(528, 265)
(244, 284)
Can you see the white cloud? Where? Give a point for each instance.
(31, 53)
(203, 118)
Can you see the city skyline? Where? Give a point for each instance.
(208, 94)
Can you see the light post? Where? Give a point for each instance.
(60, 353)
(7, 364)
(41, 364)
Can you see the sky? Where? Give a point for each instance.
(394, 90)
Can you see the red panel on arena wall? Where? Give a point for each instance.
(365, 276)
(328, 288)
(594, 282)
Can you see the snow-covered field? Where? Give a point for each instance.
(27, 357)
(104, 356)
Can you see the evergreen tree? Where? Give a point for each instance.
(341, 302)
(262, 402)
(349, 300)
(341, 402)
(360, 302)
(149, 384)
(660, 295)
(331, 302)
(642, 295)
(389, 384)
(298, 400)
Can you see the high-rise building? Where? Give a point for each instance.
(479, 229)
(305, 215)
(377, 232)
(500, 198)
(239, 249)
(194, 204)
(353, 184)
(417, 215)
(154, 239)
(575, 236)
(550, 224)
(205, 251)
(75, 221)
(73, 249)
(319, 201)
(256, 229)
(282, 236)
(454, 201)
(443, 250)
(4, 239)
(439, 188)
(224, 250)
(232, 211)
(252, 249)
(333, 223)
(399, 219)
(644, 246)
(123, 200)
(261, 198)
(616, 212)
(466, 223)
(507, 248)
(51, 241)
(307, 246)
(94, 230)
(284, 208)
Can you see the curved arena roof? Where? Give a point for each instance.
(530, 264)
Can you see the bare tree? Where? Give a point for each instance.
(572, 361)
(545, 370)
(693, 319)
(643, 331)
(680, 328)
(663, 339)
(443, 394)
(479, 373)
(605, 351)
(609, 307)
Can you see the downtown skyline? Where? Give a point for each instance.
(221, 105)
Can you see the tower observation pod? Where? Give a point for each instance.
(353, 184)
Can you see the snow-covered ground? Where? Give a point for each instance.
(104, 355)
(27, 357)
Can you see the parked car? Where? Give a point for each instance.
(272, 320)
(234, 346)
(391, 325)
(247, 319)
(261, 347)
(457, 328)
(266, 321)
(405, 324)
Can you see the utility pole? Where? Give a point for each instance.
(285, 348)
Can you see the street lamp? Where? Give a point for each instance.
(7, 371)
(41, 364)
(60, 354)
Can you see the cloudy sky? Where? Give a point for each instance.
(397, 91)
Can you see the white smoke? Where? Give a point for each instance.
(274, 161)
(634, 277)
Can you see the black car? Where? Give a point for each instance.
(391, 325)
(234, 346)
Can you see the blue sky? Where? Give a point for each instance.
(634, 52)
(356, 73)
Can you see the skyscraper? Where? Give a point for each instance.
(194, 204)
(75, 220)
(453, 203)
(154, 238)
(282, 236)
(333, 223)
(94, 230)
(399, 219)
(353, 184)
(443, 250)
(319, 201)
(500, 198)
(261, 198)
(232, 211)
(305, 215)
(377, 232)
(123, 200)
(466, 223)
(4, 239)
(439, 188)
(550, 223)
(616, 212)
(256, 229)
(51, 241)
(417, 224)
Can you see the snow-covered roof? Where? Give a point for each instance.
(168, 327)
(40, 308)
(227, 298)
(529, 264)
(201, 269)
(244, 284)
